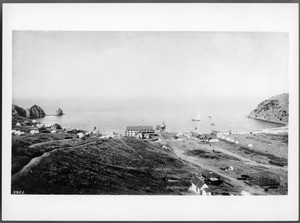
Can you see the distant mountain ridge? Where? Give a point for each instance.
(274, 109)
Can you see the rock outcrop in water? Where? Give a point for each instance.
(59, 112)
(35, 112)
(275, 109)
(16, 110)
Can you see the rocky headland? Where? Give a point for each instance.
(35, 112)
(274, 109)
(16, 110)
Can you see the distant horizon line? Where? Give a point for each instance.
(145, 97)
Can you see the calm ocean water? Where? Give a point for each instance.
(115, 115)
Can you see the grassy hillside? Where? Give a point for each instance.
(94, 166)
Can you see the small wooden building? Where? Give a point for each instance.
(199, 187)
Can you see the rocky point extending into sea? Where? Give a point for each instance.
(274, 109)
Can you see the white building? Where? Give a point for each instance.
(199, 187)
(80, 135)
(245, 193)
(133, 130)
(213, 140)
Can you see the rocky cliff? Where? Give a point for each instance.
(275, 109)
(35, 112)
(16, 110)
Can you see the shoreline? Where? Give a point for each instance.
(53, 115)
(275, 130)
(261, 119)
(283, 129)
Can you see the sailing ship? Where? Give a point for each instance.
(197, 119)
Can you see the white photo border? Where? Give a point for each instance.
(151, 17)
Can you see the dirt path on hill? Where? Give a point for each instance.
(48, 142)
(130, 148)
(32, 163)
(245, 160)
(36, 160)
(252, 190)
(62, 140)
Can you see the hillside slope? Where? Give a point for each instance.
(275, 109)
(60, 163)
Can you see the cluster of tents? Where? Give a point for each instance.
(83, 135)
(36, 127)
(228, 139)
(17, 132)
(34, 131)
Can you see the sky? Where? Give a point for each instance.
(66, 64)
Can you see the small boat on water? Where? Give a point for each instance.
(197, 119)
(213, 124)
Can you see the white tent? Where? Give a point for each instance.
(229, 168)
(40, 125)
(245, 193)
(80, 135)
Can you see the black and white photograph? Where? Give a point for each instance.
(165, 113)
(181, 113)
